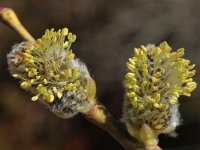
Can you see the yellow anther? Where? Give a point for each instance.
(148, 99)
(26, 69)
(78, 83)
(55, 89)
(37, 77)
(29, 60)
(45, 81)
(66, 44)
(156, 105)
(192, 66)
(130, 66)
(167, 85)
(32, 81)
(69, 86)
(176, 94)
(70, 55)
(157, 51)
(157, 74)
(136, 87)
(64, 31)
(131, 95)
(57, 76)
(186, 94)
(154, 88)
(143, 48)
(27, 51)
(142, 56)
(157, 97)
(35, 98)
(16, 75)
(59, 94)
(76, 72)
(145, 70)
(173, 100)
(27, 55)
(192, 85)
(50, 98)
(165, 47)
(154, 79)
(41, 89)
(134, 102)
(50, 72)
(163, 106)
(180, 52)
(25, 85)
(129, 86)
(69, 73)
(144, 84)
(33, 72)
(136, 51)
(187, 89)
(71, 37)
(130, 75)
(158, 127)
(132, 61)
(141, 107)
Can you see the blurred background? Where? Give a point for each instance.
(107, 30)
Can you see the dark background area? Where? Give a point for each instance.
(107, 30)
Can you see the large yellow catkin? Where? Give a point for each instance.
(48, 68)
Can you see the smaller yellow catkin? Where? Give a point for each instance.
(155, 79)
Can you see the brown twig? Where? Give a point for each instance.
(99, 116)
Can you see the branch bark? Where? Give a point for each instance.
(100, 116)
